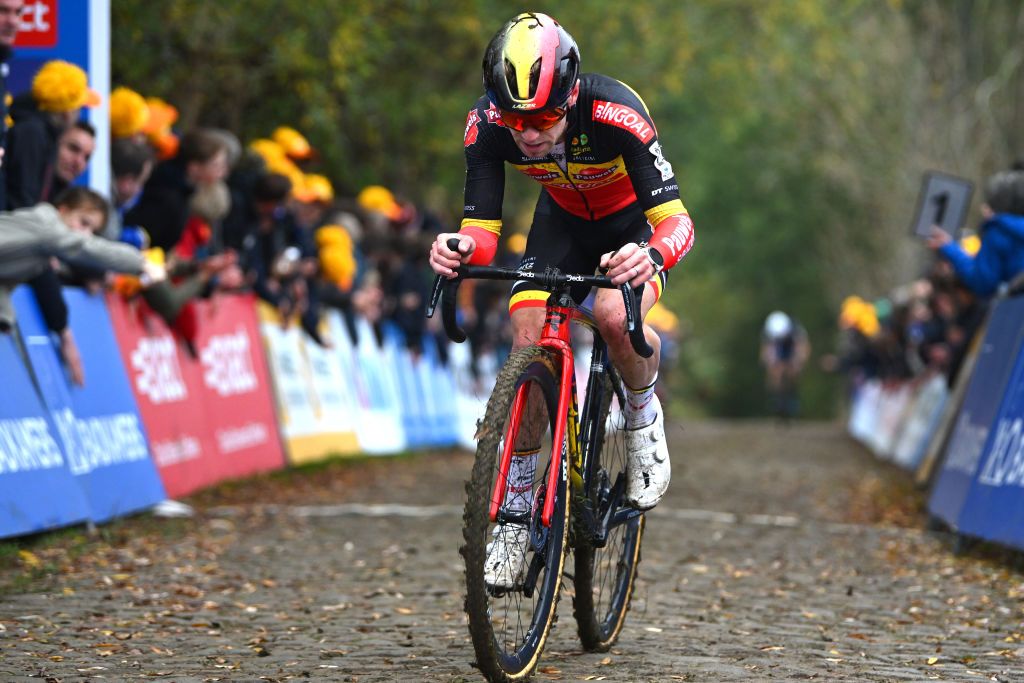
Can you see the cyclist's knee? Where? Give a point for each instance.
(612, 325)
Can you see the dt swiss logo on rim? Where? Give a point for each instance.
(623, 117)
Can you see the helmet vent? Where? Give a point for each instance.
(534, 78)
(510, 76)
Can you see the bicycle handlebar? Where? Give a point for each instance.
(445, 289)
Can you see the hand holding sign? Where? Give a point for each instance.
(941, 206)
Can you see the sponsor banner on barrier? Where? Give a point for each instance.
(470, 393)
(892, 411)
(37, 490)
(439, 390)
(379, 427)
(425, 388)
(211, 417)
(994, 508)
(972, 430)
(865, 410)
(404, 372)
(314, 403)
(98, 423)
(921, 422)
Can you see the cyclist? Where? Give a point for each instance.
(785, 349)
(609, 199)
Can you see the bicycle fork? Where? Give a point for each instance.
(565, 436)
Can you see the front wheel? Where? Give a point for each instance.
(605, 576)
(509, 623)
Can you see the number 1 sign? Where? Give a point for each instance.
(943, 202)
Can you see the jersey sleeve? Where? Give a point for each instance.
(654, 181)
(485, 182)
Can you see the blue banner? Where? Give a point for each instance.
(994, 508)
(98, 423)
(412, 401)
(76, 31)
(972, 432)
(37, 491)
(439, 387)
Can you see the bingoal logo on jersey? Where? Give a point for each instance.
(624, 117)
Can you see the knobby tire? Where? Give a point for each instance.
(604, 577)
(509, 631)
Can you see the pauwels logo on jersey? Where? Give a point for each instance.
(471, 130)
(546, 173)
(473, 120)
(624, 117)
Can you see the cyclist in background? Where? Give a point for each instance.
(610, 199)
(785, 349)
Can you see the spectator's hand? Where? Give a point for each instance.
(443, 259)
(216, 263)
(72, 358)
(938, 238)
(152, 273)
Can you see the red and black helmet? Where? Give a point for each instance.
(531, 64)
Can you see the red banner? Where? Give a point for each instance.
(208, 418)
(38, 24)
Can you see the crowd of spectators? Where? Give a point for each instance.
(925, 327)
(211, 213)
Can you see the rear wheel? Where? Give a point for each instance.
(604, 576)
(509, 625)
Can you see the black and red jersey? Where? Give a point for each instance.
(612, 159)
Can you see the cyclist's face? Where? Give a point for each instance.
(537, 143)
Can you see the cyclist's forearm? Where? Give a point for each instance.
(673, 237)
(485, 234)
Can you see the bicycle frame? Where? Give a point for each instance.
(555, 335)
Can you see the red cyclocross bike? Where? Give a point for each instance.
(553, 475)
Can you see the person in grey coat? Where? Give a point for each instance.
(31, 237)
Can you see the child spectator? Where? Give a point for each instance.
(29, 238)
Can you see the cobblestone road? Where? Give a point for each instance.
(753, 569)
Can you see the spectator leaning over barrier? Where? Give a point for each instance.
(1001, 255)
(59, 92)
(10, 21)
(162, 209)
(29, 238)
(74, 150)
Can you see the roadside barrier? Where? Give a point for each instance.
(968, 443)
(209, 417)
(153, 420)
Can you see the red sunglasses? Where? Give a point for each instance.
(539, 120)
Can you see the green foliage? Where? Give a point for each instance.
(798, 129)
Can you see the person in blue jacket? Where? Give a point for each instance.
(1001, 256)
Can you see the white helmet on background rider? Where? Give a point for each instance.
(778, 325)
